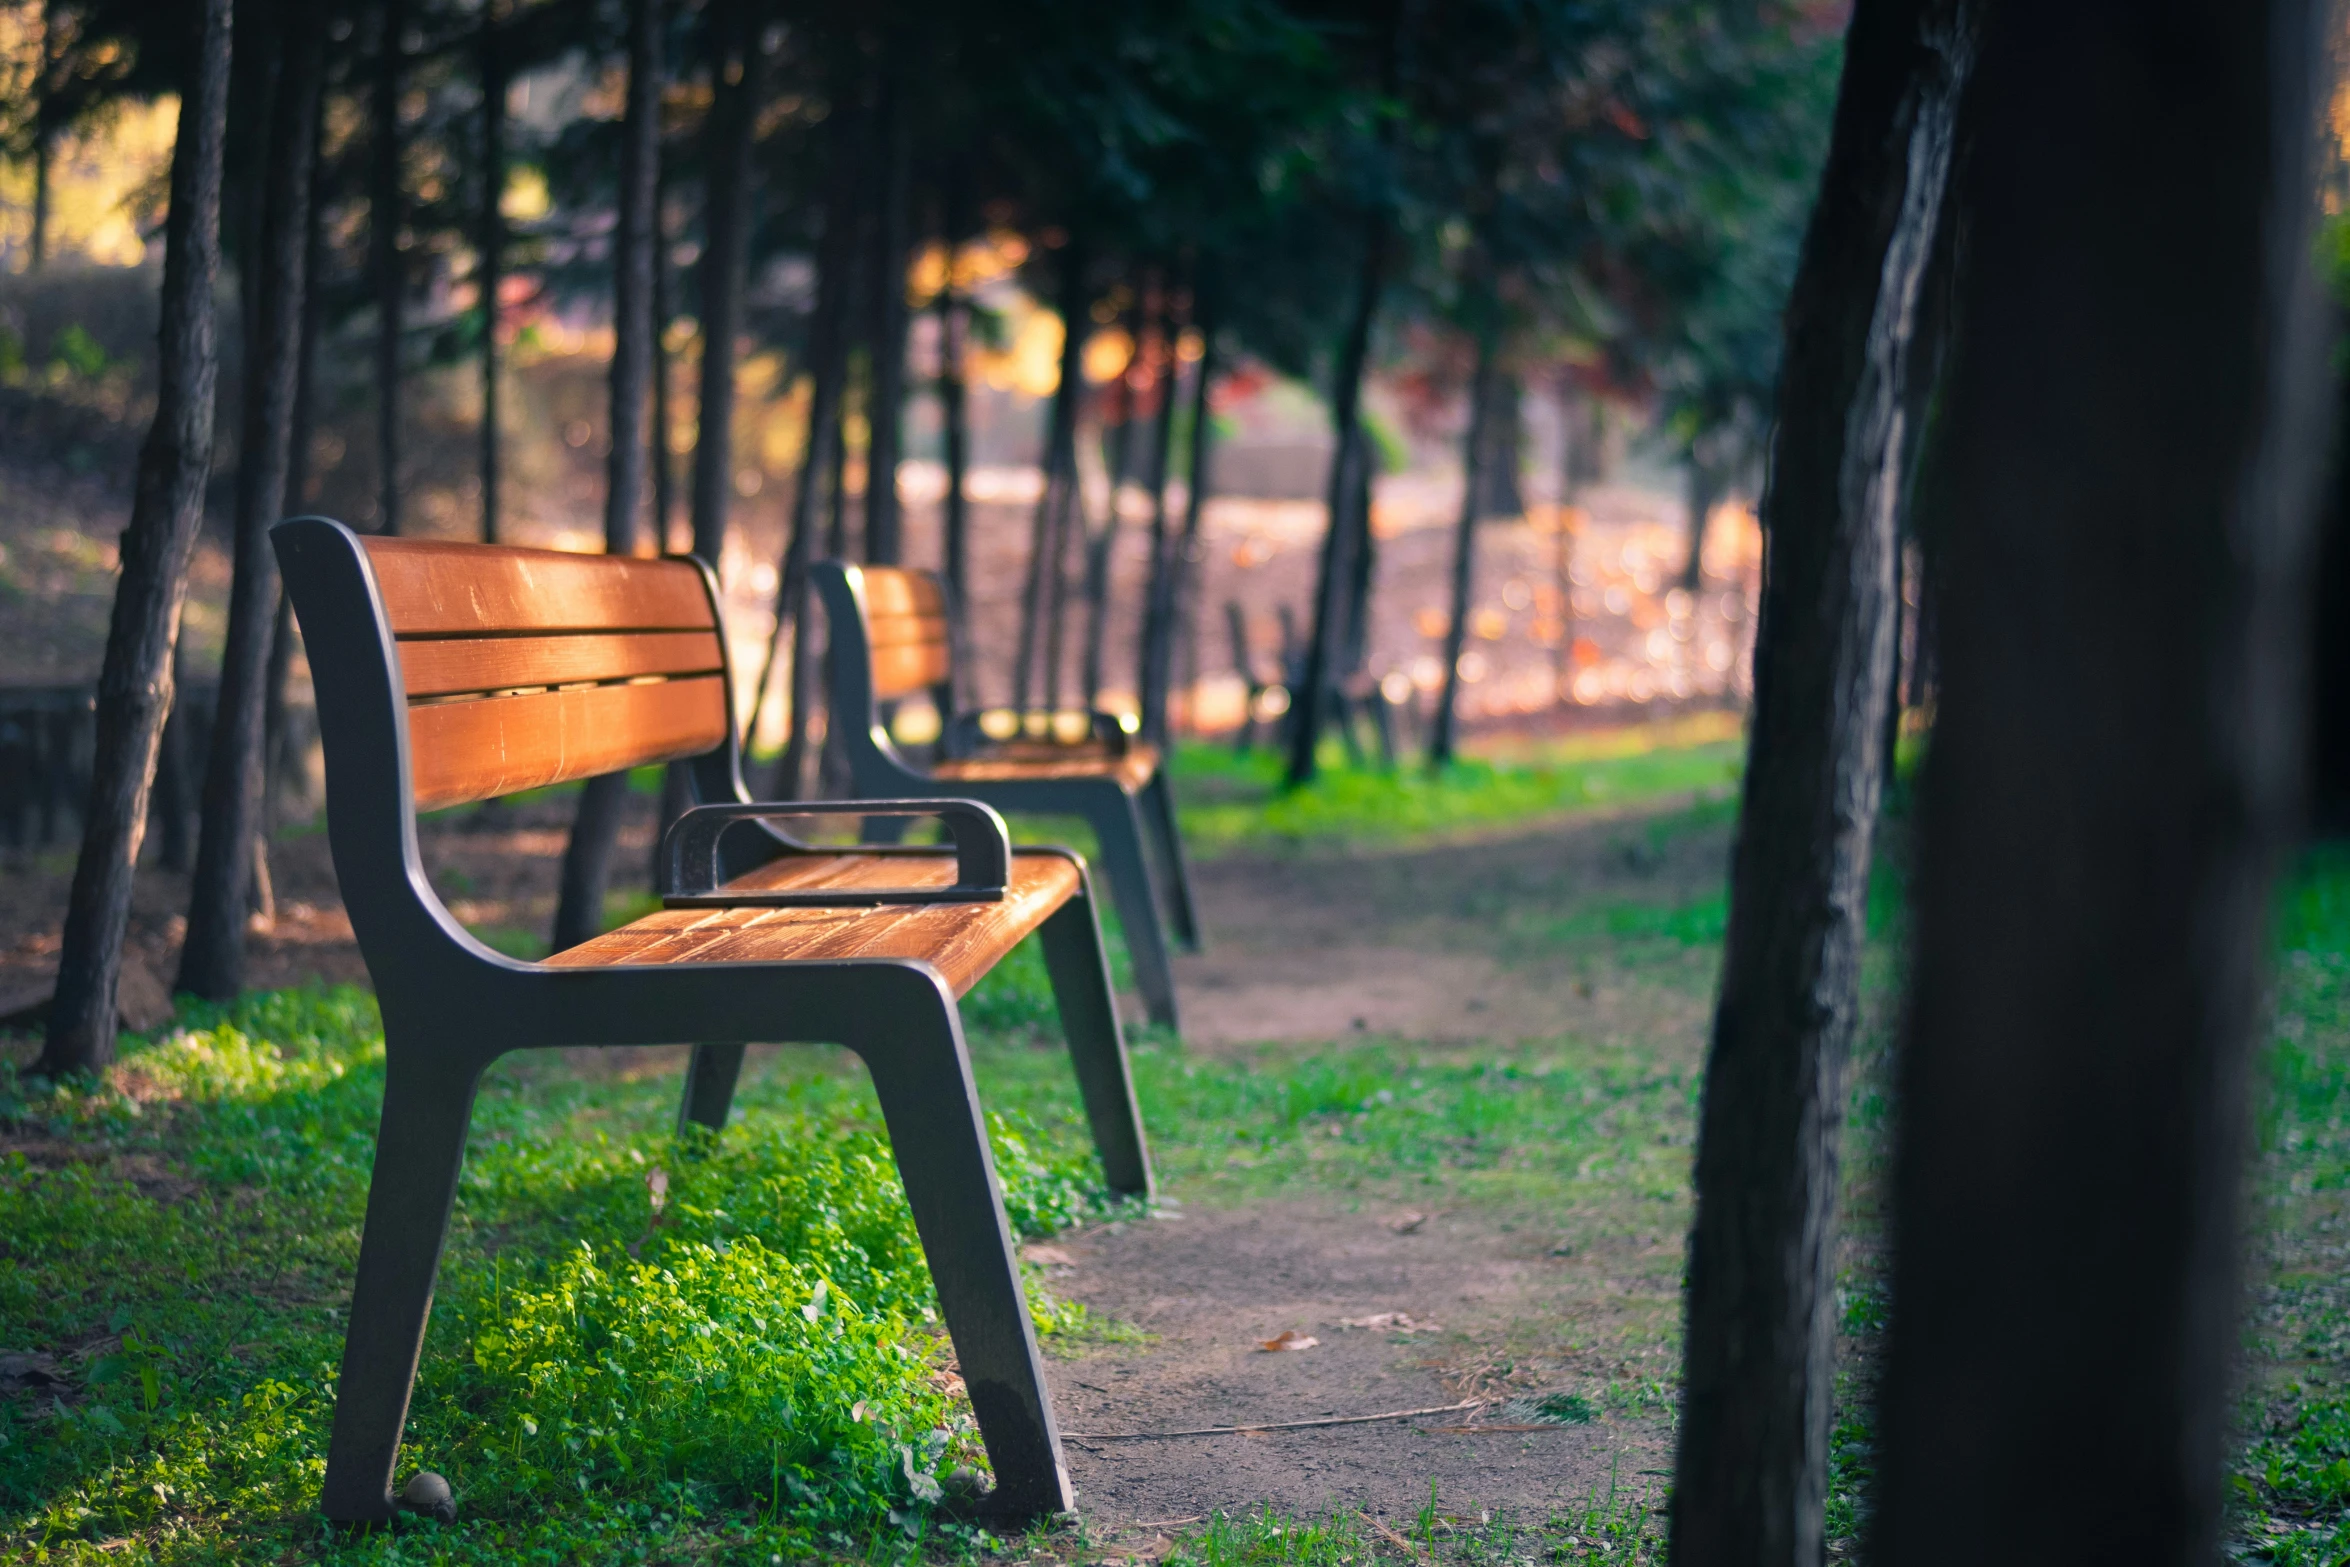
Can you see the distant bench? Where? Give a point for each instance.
(448, 673)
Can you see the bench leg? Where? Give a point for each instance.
(709, 1086)
(1089, 1020)
(418, 1149)
(914, 1049)
(1117, 825)
(1158, 798)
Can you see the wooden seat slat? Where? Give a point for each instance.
(964, 940)
(475, 750)
(448, 666)
(434, 588)
(906, 669)
(1134, 769)
(903, 629)
(894, 591)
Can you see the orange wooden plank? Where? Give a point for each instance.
(444, 666)
(1132, 770)
(476, 750)
(906, 669)
(432, 588)
(897, 590)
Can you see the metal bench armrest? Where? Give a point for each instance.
(692, 875)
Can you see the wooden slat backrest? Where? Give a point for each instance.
(531, 667)
(906, 627)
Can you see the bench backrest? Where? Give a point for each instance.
(906, 629)
(523, 667)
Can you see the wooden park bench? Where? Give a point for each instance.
(449, 673)
(890, 640)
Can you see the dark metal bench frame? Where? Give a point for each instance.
(878, 770)
(451, 1006)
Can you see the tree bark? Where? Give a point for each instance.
(1184, 577)
(727, 142)
(954, 418)
(386, 211)
(491, 63)
(1349, 467)
(1151, 320)
(44, 133)
(135, 680)
(1060, 477)
(212, 960)
(1759, 1341)
(587, 859)
(2114, 773)
(887, 318)
(1474, 454)
(1704, 489)
(1151, 662)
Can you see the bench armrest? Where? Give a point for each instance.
(691, 874)
(972, 733)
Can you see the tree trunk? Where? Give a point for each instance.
(2113, 777)
(491, 63)
(954, 417)
(587, 859)
(1704, 490)
(1060, 477)
(1309, 703)
(1152, 663)
(1474, 454)
(212, 961)
(1760, 1304)
(727, 142)
(657, 451)
(885, 380)
(1150, 328)
(828, 362)
(44, 88)
(135, 680)
(386, 211)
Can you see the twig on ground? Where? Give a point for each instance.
(1273, 1425)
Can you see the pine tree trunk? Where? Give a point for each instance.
(1310, 702)
(491, 62)
(587, 859)
(1751, 1480)
(212, 961)
(135, 681)
(1474, 453)
(1151, 662)
(888, 319)
(386, 212)
(2113, 779)
(1060, 477)
(727, 141)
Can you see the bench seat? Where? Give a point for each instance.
(1132, 771)
(961, 940)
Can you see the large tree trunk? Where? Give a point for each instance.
(386, 212)
(1060, 479)
(887, 318)
(491, 63)
(1760, 1306)
(135, 680)
(1341, 543)
(212, 961)
(587, 859)
(1475, 453)
(726, 155)
(2114, 771)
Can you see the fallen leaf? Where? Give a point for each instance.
(658, 1184)
(1393, 1322)
(1290, 1338)
(1048, 1256)
(1405, 1223)
(948, 1382)
(857, 1410)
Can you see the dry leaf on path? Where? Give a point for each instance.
(1392, 1322)
(1047, 1257)
(1405, 1223)
(1290, 1338)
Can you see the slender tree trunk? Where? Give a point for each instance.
(587, 860)
(1184, 575)
(954, 417)
(828, 361)
(1150, 323)
(1705, 489)
(284, 760)
(135, 680)
(2114, 775)
(44, 132)
(1759, 1343)
(727, 141)
(1151, 662)
(1060, 477)
(1310, 702)
(663, 310)
(491, 62)
(885, 381)
(1475, 450)
(386, 212)
(212, 961)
